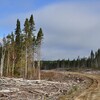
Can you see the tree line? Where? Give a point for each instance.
(20, 52)
(93, 61)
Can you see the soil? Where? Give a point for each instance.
(54, 85)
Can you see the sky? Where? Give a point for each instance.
(71, 27)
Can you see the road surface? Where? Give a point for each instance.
(93, 92)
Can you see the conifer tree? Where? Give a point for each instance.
(17, 33)
(92, 58)
(26, 30)
(38, 44)
(13, 52)
(32, 44)
(18, 50)
(17, 44)
(8, 47)
(32, 24)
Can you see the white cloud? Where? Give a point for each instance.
(69, 29)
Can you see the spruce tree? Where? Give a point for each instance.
(32, 44)
(8, 49)
(26, 30)
(92, 58)
(38, 44)
(13, 52)
(32, 24)
(17, 45)
(17, 33)
(18, 50)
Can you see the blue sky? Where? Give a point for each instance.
(71, 27)
(9, 8)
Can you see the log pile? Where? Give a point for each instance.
(21, 89)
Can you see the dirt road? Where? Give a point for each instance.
(93, 92)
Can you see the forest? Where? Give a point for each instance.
(91, 62)
(20, 51)
(20, 54)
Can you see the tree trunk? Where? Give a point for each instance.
(39, 74)
(13, 65)
(33, 66)
(2, 63)
(26, 69)
(39, 58)
(7, 65)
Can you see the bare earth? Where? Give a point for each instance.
(53, 86)
(93, 92)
